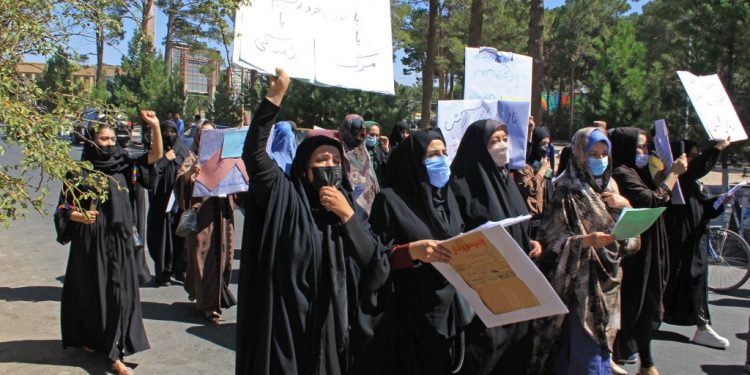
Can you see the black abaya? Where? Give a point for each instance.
(485, 192)
(303, 273)
(166, 248)
(100, 307)
(686, 296)
(430, 315)
(644, 274)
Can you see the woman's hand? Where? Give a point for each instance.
(170, 155)
(194, 171)
(89, 217)
(333, 200)
(150, 118)
(614, 200)
(543, 166)
(721, 145)
(598, 240)
(536, 249)
(385, 144)
(277, 87)
(429, 251)
(680, 165)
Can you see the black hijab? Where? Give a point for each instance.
(483, 190)
(395, 138)
(179, 148)
(535, 152)
(407, 176)
(624, 143)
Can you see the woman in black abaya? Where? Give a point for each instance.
(166, 249)
(485, 191)
(415, 211)
(101, 308)
(644, 274)
(686, 296)
(308, 257)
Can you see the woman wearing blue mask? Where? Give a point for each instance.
(378, 147)
(581, 259)
(411, 216)
(645, 273)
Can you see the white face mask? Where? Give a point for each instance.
(500, 153)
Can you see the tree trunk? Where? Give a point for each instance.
(476, 23)
(572, 97)
(147, 6)
(558, 112)
(99, 52)
(170, 39)
(536, 51)
(429, 66)
(453, 76)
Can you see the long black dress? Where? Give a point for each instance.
(303, 273)
(686, 297)
(101, 307)
(166, 249)
(429, 314)
(486, 192)
(644, 274)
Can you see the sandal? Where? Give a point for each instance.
(120, 369)
(213, 317)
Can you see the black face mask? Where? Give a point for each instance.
(326, 176)
(169, 140)
(105, 152)
(541, 151)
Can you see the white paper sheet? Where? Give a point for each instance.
(496, 75)
(713, 106)
(548, 303)
(343, 43)
(455, 116)
(664, 151)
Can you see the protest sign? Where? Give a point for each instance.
(220, 176)
(634, 221)
(713, 106)
(455, 116)
(342, 43)
(497, 278)
(664, 152)
(494, 75)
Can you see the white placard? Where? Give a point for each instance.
(664, 152)
(713, 106)
(495, 75)
(342, 43)
(512, 268)
(455, 116)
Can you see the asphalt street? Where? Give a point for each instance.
(32, 271)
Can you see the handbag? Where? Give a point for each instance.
(188, 223)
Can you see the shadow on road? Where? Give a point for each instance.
(740, 293)
(223, 335)
(183, 312)
(235, 276)
(722, 369)
(31, 293)
(671, 336)
(50, 352)
(731, 302)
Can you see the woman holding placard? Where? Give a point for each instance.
(411, 215)
(582, 261)
(644, 273)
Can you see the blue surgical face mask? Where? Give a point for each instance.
(371, 142)
(438, 170)
(598, 166)
(641, 160)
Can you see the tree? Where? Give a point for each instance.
(58, 78)
(429, 69)
(226, 107)
(536, 51)
(39, 28)
(183, 26)
(475, 25)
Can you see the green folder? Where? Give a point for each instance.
(634, 221)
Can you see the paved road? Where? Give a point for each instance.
(31, 274)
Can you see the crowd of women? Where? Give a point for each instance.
(341, 230)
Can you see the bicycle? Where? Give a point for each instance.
(728, 254)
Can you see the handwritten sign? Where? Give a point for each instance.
(494, 75)
(218, 176)
(455, 116)
(713, 106)
(234, 141)
(342, 43)
(664, 152)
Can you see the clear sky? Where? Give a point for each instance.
(113, 54)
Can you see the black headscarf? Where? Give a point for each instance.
(118, 167)
(179, 148)
(350, 130)
(535, 152)
(407, 175)
(395, 138)
(624, 143)
(483, 190)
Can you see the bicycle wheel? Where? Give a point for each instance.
(728, 259)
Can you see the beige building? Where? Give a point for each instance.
(86, 74)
